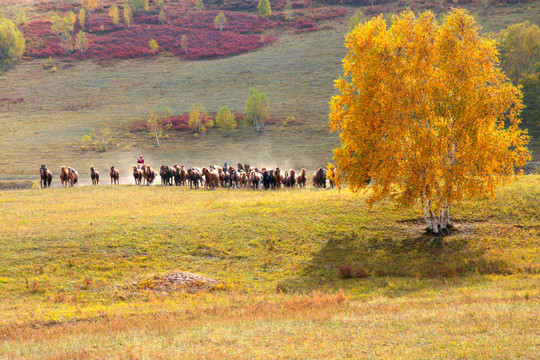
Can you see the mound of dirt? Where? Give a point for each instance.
(178, 282)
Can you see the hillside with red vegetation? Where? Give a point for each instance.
(242, 33)
(181, 122)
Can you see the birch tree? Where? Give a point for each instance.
(425, 114)
(257, 108)
(220, 21)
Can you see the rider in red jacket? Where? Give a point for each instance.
(140, 162)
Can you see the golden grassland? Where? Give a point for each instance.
(296, 73)
(68, 254)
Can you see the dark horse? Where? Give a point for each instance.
(319, 178)
(94, 175)
(46, 176)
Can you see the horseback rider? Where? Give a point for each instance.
(140, 162)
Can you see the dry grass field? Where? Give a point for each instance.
(293, 274)
(70, 258)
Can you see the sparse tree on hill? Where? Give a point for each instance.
(153, 46)
(114, 13)
(197, 117)
(71, 18)
(159, 3)
(82, 17)
(199, 5)
(155, 123)
(139, 5)
(12, 42)
(66, 40)
(357, 18)
(128, 15)
(264, 7)
(90, 5)
(161, 17)
(184, 42)
(519, 46)
(520, 49)
(421, 112)
(257, 108)
(57, 24)
(21, 17)
(220, 21)
(81, 42)
(225, 119)
(288, 11)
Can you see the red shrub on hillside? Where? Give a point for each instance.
(107, 41)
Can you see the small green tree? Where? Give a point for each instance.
(97, 142)
(82, 17)
(220, 21)
(161, 17)
(288, 11)
(21, 17)
(225, 119)
(139, 5)
(357, 18)
(90, 5)
(114, 13)
(128, 15)
(71, 19)
(12, 42)
(199, 5)
(264, 8)
(159, 3)
(153, 46)
(519, 47)
(184, 42)
(81, 42)
(197, 117)
(57, 24)
(257, 108)
(66, 40)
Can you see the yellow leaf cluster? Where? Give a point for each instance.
(424, 112)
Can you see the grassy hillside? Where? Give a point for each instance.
(44, 114)
(69, 256)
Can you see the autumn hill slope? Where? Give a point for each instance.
(48, 105)
(83, 272)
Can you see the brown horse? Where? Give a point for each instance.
(115, 176)
(319, 178)
(149, 175)
(46, 176)
(194, 177)
(64, 174)
(212, 178)
(302, 178)
(94, 175)
(180, 176)
(255, 178)
(137, 175)
(166, 175)
(290, 181)
(284, 178)
(243, 179)
(73, 176)
(234, 177)
(277, 176)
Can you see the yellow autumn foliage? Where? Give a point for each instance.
(425, 113)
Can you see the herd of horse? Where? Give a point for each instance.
(211, 177)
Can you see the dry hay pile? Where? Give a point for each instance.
(178, 282)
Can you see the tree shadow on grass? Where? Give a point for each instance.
(379, 257)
